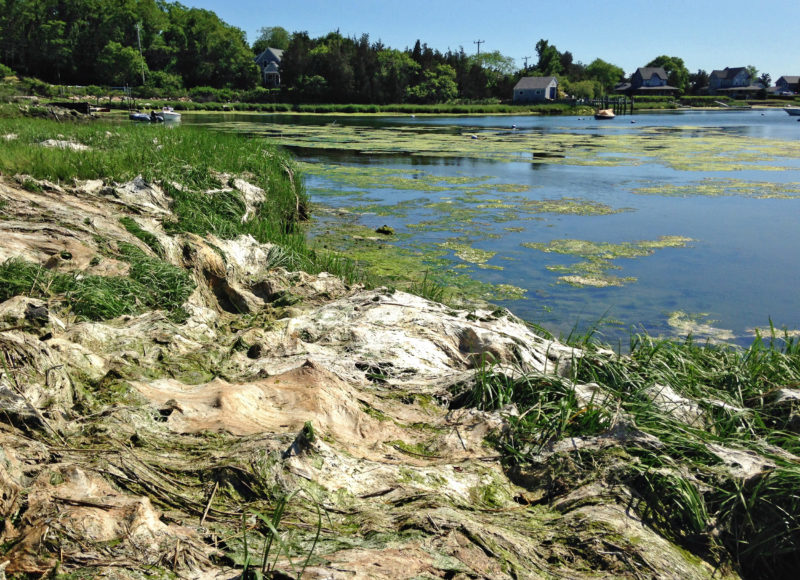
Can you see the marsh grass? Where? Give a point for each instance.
(195, 158)
(428, 288)
(188, 162)
(681, 484)
(151, 240)
(151, 284)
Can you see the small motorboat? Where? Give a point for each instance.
(152, 117)
(604, 114)
(170, 115)
(792, 111)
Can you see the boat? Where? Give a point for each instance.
(145, 117)
(603, 114)
(170, 115)
(793, 111)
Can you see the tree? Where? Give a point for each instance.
(765, 79)
(753, 72)
(606, 74)
(575, 71)
(487, 74)
(495, 62)
(271, 37)
(549, 59)
(396, 70)
(698, 82)
(438, 85)
(294, 63)
(677, 74)
(210, 52)
(332, 60)
(121, 65)
(588, 89)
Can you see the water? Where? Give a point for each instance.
(738, 272)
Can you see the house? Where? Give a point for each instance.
(732, 82)
(648, 80)
(269, 62)
(533, 89)
(787, 84)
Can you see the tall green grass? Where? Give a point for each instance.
(150, 284)
(187, 162)
(681, 486)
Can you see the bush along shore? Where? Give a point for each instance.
(190, 391)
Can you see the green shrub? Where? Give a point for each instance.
(37, 87)
(209, 94)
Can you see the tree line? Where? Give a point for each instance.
(167, 47)
(97, 42)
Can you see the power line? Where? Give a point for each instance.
(525, 58)
(478, 42)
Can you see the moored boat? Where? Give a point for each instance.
(603, 114)
(145, 117)
(170, 114)
(793, 111)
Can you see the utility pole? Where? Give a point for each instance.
(478, 42)
(525, 58)
(139, 40)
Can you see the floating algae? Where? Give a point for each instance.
(469, 254)
(404, 266)
(598, 256)
(699, 325)
(681, 148)
(725, 187)
(371, 177)
(475, 203)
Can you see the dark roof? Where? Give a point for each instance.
(534, 83)
(270, 55)
(648, 72)
(792, 80)
(727, 73)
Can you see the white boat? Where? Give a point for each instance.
(170, 114)
(604, 114)
(145, 117)
(793, 111)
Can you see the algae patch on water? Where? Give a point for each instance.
(406, 265)
(598, 256)
(717, 187)
(698, 324)
(680, 148)
(366, 177)
(469, 254)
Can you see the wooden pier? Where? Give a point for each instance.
(620, 105)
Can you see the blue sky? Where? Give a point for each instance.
(629, 33)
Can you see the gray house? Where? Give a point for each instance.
(533, 89)
(647, 80)
(733, 82)
(269, 62)
(788, 84)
